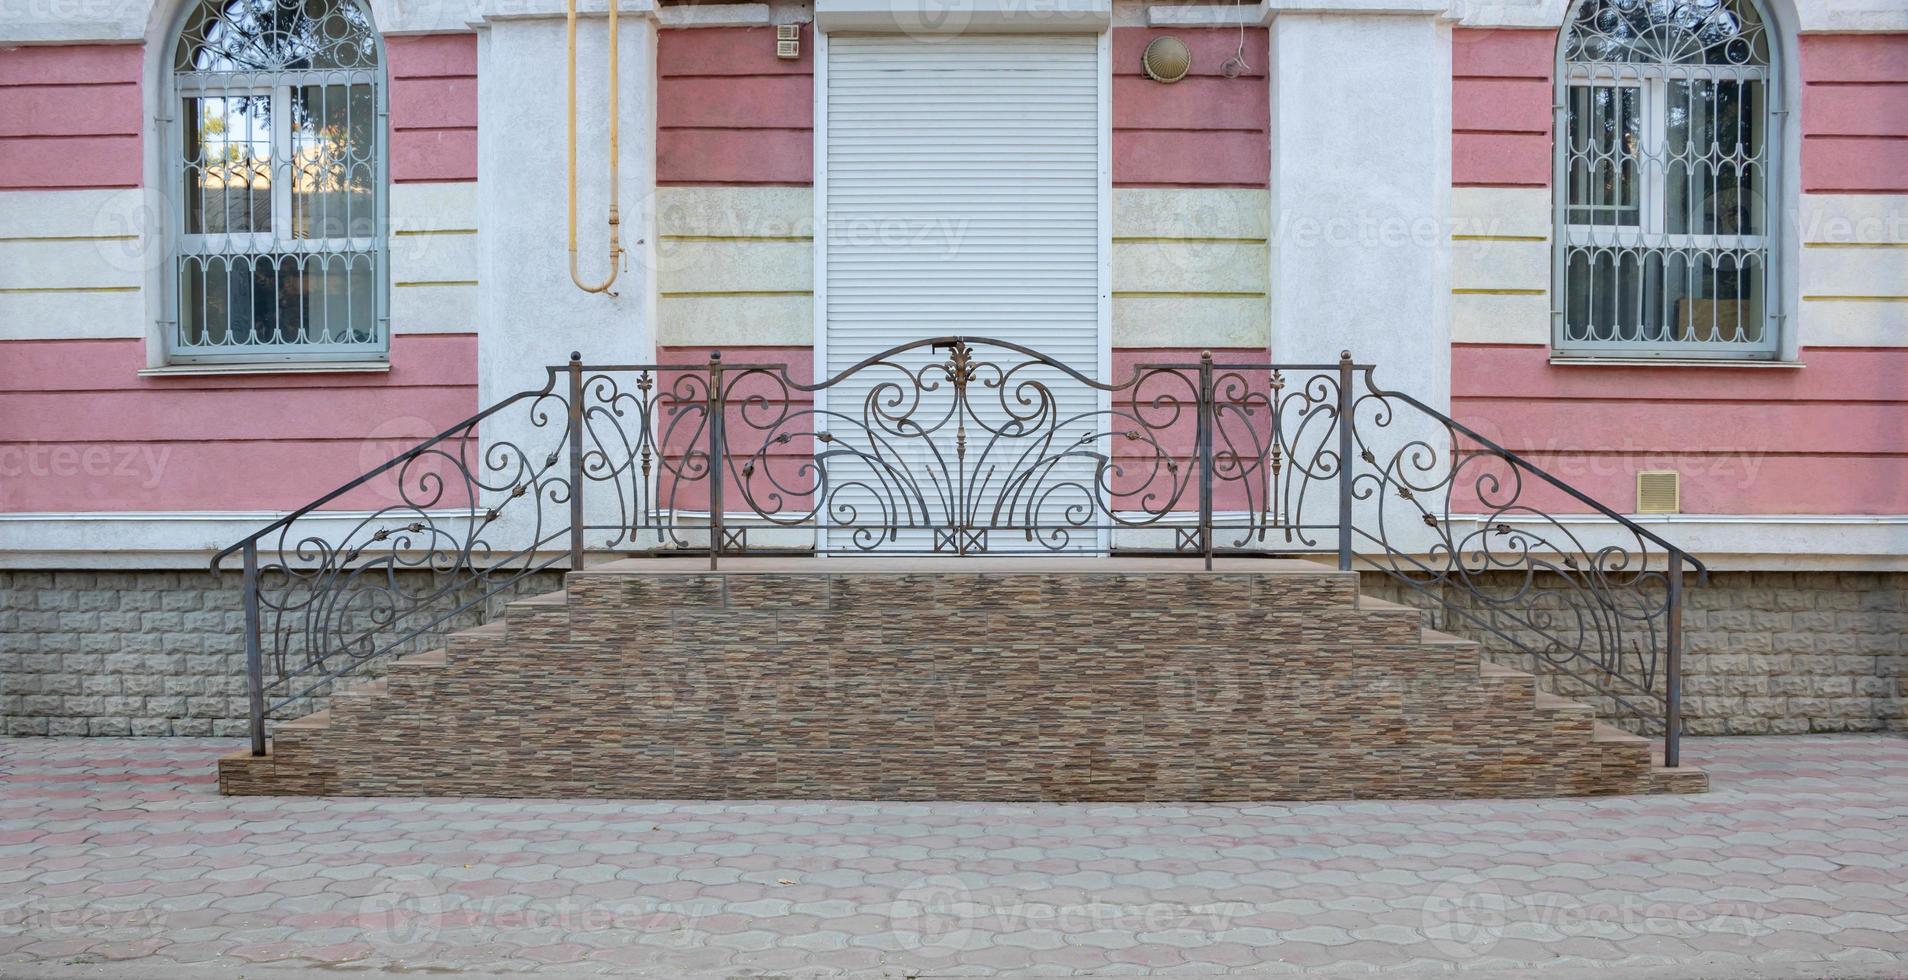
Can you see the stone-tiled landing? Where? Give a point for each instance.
(943, 679)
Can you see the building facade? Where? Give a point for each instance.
(250, 249)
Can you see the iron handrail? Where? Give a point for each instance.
(394, 462)
(1702, 570)
(659, 444)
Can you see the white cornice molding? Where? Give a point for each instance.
(492, 11)
(128, 22)
(714, 15)
(154, 539)
(943, 17)
(1418, 8)
(27, 24)
(1809, 16)
(1733, 542)
(1726, 542)
(1205, 15)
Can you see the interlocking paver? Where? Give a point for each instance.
(114, 849)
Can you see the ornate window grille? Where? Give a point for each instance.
(277, 153)
(1668, 203)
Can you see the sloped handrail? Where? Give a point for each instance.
(963, 446)
(1597, 612)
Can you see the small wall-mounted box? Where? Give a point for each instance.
(788, 41)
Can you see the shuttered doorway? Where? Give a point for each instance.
(962, 182)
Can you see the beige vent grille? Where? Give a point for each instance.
(1658, 492)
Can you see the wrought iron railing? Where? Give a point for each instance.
(963, 446)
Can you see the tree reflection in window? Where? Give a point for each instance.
(280, 160)
(1666, 172)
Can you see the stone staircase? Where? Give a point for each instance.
(955, 679)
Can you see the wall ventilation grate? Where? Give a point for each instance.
(1659, 492)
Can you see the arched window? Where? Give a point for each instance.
(278, 174)
(1668, 180)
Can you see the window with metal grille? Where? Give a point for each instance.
(278, 170)
(1667, 180)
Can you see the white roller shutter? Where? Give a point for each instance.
(962, 188)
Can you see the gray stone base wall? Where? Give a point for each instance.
(131, 653)
(1765, 653)
(158, 653)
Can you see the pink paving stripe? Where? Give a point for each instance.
(70, 117)
(1824, 440)
(1500, 160)
(734, 156)
(432, 55)
(1204, 131)
(737, 102)
(1501, 96)
(1856, 110)
(70, 404)
(1855, 113)
(1855, 164)
(1620, 422)
(434, 103)
(433, 81)
(730, 112)
(1836, 374)
(69, 163)
(1193, 103)
(1730, 482)
(1172, 158)
(1504, 53)
(1502, 105)
(70, 110)
(729, 51)
(1854, 58)
(114, 365)
(428, 155)
(71, 64)
(195, 476)
(208, 415)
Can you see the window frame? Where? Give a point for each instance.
(177, 87)
(1771, 247)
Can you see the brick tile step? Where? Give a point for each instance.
(765, 684)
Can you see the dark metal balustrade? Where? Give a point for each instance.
(963, 446)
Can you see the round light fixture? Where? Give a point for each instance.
(1167, 59)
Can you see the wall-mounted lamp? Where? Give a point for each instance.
(1167, 59)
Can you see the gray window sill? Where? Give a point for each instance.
(1679, 362)
(269, 367)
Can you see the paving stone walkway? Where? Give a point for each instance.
(121, 849)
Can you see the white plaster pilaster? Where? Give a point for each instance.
(1361, 195)
(530, 314)
(1361, 203)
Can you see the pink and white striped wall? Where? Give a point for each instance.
(1830, 438)
(83, 430)
(734, 157)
